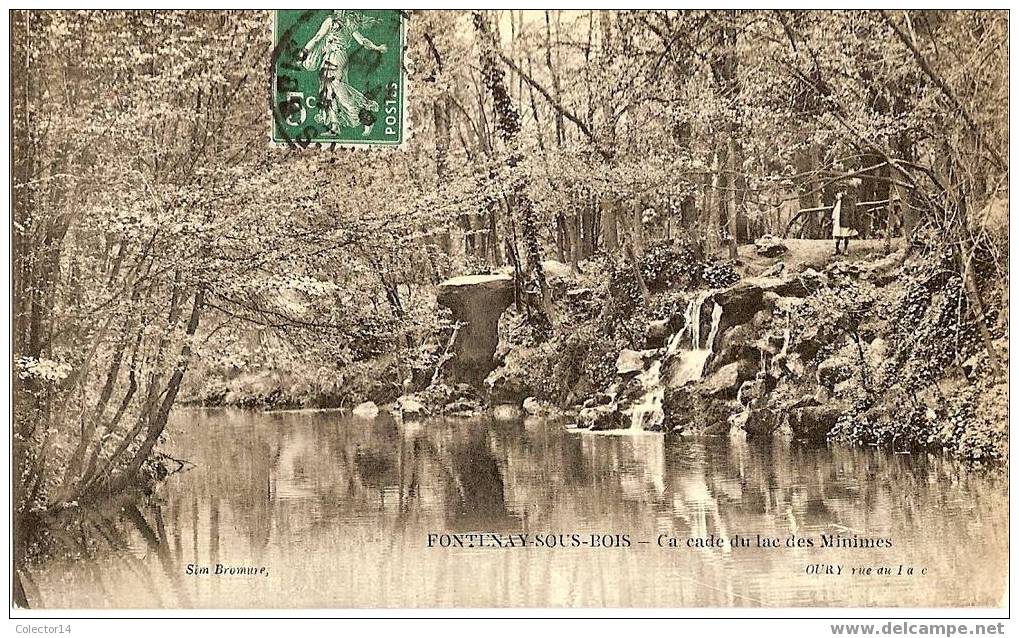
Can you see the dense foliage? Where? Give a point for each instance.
(156, 235)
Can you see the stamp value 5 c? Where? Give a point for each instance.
(338, 77)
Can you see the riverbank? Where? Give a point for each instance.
(870, 349)
(789, 341)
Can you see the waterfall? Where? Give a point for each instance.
(782, 354)
(676, 342)
(648, 411)
(686, 357)
(693, 358)
(716, 321)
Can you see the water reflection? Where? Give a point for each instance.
(339, 510)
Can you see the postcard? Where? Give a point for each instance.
(383, 309)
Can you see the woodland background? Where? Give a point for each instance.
(159, 240)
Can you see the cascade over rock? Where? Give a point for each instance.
(649, 373)
(477, 302)
(687, 352)
(733, 358)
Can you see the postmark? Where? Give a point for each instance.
(338, 78)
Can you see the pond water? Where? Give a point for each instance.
(338, 511)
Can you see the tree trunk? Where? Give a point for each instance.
(508, 126)
(559, 124)
(158, 421)
(733, 212)
(610, 235)
(714, 199)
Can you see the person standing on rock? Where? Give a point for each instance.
(841, 230)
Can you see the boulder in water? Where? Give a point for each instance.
(534, 407)
(408, 405)
(506, 412)
(366, 410)
(477, 302)
(462, 408)
(762, 422)
(815, 422)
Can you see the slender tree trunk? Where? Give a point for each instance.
(732, 203)
(559, 124)
(713, 204)
(610, 237)
(508, 125)
(157, 423)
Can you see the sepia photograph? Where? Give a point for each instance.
(375, 309)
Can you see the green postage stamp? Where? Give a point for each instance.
(338, 77)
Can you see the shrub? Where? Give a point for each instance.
(719, 274)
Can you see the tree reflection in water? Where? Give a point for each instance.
(339, 510)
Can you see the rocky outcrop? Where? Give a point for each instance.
(815, 422)
(477, 302)
(657, 334)
(629, 361)
(746, 297)
(769, 246)
(836, 368)
(736, 344)
(660, 330)
(744, 357)
(511, 381)
(725, 381)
